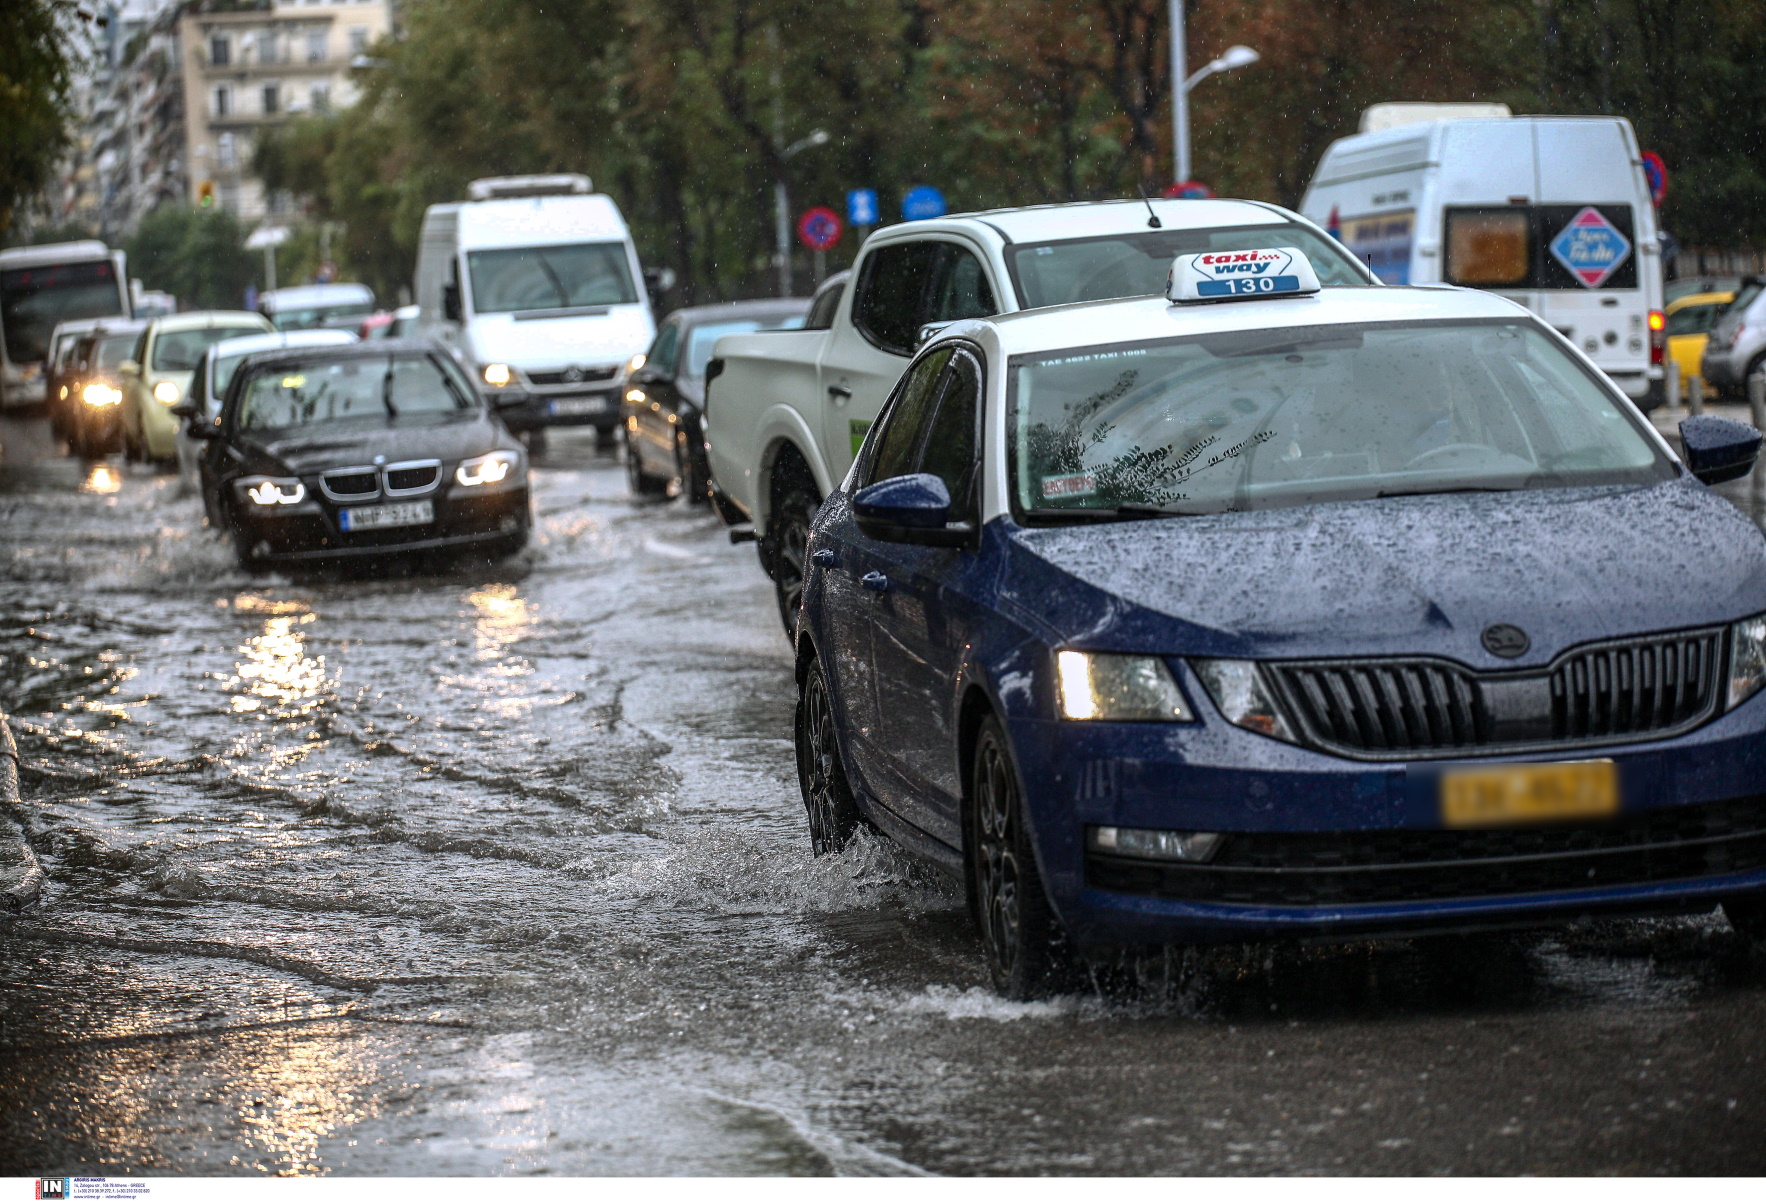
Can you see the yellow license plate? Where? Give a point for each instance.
(1518, 793)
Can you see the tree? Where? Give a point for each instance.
(35, 65)
(198, 255)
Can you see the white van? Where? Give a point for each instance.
(535, 283)
(1552, 212)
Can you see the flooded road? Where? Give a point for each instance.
(504, 870)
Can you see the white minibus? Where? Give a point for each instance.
(1552, 212)
(535, 283)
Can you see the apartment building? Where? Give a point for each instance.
(250, 65)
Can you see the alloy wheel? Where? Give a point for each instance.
(998, 873)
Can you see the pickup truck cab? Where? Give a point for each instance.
(786, 411)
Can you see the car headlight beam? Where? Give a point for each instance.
(270, 492)
(1103, 687)
(166, 392)
(493, 468)
(100, 395)
(1747, 659)
(498, 375)
(1241, 696)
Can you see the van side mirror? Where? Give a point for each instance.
(185, 408)
(909, 508)
(1717, 449)
(451, 301)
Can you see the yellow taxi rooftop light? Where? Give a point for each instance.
(1240, 275)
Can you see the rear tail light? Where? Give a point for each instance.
(1658, 338)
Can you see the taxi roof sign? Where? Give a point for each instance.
(1240, 275)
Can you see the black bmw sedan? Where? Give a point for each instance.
(358, 450)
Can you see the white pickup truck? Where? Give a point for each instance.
(786, 411)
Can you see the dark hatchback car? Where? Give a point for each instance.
(665, 397)
(361, 450)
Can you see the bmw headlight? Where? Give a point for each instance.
(269, 491)
(498, 375)
(1095, 687)
(166, 392)
(1747, 659)
(100, 395)
(1241, 696)
(493, 468)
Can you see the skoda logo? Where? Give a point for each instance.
(573, 375)
(1506, 641)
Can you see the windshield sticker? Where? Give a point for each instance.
(1080, 483)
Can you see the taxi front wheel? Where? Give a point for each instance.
(1027, 952)
(833, 813)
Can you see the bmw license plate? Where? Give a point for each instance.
(1518, 793)
(577, 406)
(380, 517)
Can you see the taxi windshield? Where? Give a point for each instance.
(1272, 418)
(379, 389)
(1135, 264)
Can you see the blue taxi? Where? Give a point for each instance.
(1256, 610)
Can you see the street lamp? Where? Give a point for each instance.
(1234, 58)
(782, 204)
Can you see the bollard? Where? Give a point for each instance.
(1695, 396)
(1671, 385)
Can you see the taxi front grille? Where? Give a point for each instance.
(1684, 842)
(1651, 687)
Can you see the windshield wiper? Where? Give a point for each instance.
(386, 392)
(1439, 490)
(563, 294)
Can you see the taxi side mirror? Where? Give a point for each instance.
(129, 367)
(1717, 449)
(185, 408)
(909, 508)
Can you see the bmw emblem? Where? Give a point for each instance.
(1506, 641)
(379, 460)
(573, 375)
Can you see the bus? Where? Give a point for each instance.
(42, 286)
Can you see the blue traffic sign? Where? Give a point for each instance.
(1590, 247)
(861, 206)
(922, 203)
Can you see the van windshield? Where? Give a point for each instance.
(535, 279)
(1271, 418)
(1135, 264)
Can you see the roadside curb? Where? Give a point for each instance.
(21, 876)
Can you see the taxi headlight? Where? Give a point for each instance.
(1747, 659)
(1239, 693)
(266, 490)
(99, 395)
(166, 392)
(498, 375)
(487, 469)
(1117, 688)
(636, 364)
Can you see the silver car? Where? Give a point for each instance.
(1736, 348)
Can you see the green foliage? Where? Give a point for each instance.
(679, 108)
(35, 64)
(197, 255)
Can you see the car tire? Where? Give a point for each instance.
(821, 775)
(1748, 917)
(642, 482)
(241, 540)
(1026, 950)
(695, 484)
(787, 544)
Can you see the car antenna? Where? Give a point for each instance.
(1152, 217)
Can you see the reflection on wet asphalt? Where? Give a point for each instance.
(486, 870)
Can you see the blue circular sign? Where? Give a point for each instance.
(922, 203)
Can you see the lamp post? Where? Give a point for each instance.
(1235, 57)
(782, 205)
